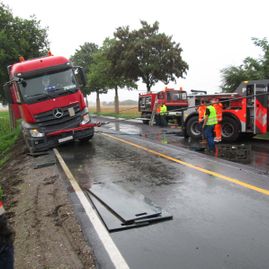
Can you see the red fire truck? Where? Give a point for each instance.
(245, 112)
(173, 99)
(46, 94)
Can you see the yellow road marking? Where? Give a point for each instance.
(212, 173)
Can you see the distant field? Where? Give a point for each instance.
(126, 111)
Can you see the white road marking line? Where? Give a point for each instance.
(112, 250)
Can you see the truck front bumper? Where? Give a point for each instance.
(53, 139)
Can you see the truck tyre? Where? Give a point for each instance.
(193, 128)
(86, 139)
(145, 115)
(230, 129)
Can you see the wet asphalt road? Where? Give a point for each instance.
(216, 223)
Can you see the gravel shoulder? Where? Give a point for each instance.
(47, 234)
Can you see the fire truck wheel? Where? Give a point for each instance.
(230, 129)
(193, 127)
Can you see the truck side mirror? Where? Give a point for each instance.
(7, 93)
(80, 76)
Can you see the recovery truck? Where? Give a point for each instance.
(245, 112)
(46, 94)
(173, 99)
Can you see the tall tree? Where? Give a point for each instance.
(101, 76)
(84, 55)
(19, 37)
(251, 69)
(146, 54)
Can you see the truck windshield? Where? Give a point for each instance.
(176, 95)
(48, 86)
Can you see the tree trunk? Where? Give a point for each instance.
(148, 87)
(87, 102)
(116, 101)
(98, 106)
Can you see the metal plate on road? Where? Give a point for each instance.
(127, 206)
(114, 224)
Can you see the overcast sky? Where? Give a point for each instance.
(213, 34)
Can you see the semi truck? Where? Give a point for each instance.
(46, 94)
(245, 111)
(175, 100)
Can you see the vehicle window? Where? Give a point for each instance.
(48, 85)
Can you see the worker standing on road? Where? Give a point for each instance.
(201, 112)
(6, 241)
(210, 120)
(218, 106)
(158, 116)
(163, 113)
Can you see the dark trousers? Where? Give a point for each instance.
(163, 120)
(158, 119)
(209, 135)
(7, 256)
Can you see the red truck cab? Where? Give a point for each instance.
(45, 93)
(175, 100)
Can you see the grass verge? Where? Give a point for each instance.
(7, 136)
(262, 137)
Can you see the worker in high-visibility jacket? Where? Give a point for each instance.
(6, 241)
(201, 113)
(210, 120)
(163, 113)
(219, 108)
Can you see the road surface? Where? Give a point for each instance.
(220, 208)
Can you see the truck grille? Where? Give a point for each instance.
(50, 123)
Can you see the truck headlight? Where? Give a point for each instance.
(85, 119)
(36, 133)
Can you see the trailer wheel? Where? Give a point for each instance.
(193, 128)
(230, 129)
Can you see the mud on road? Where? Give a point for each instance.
(47, 234)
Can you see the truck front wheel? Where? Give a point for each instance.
(230, 129)
(86, 139)
(193, 128)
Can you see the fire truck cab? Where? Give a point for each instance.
(175, 100)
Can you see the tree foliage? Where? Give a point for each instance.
(146, 54)
(19, 37)
(251, 69)
(101, 76)
(84, 55)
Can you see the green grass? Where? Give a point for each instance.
(127, 112)
(263, 137)
(120, 115)
(7, 136)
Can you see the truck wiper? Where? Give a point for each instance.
(40, 96)
(64, 90)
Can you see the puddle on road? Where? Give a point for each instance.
(124, 128)
(239, 153)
